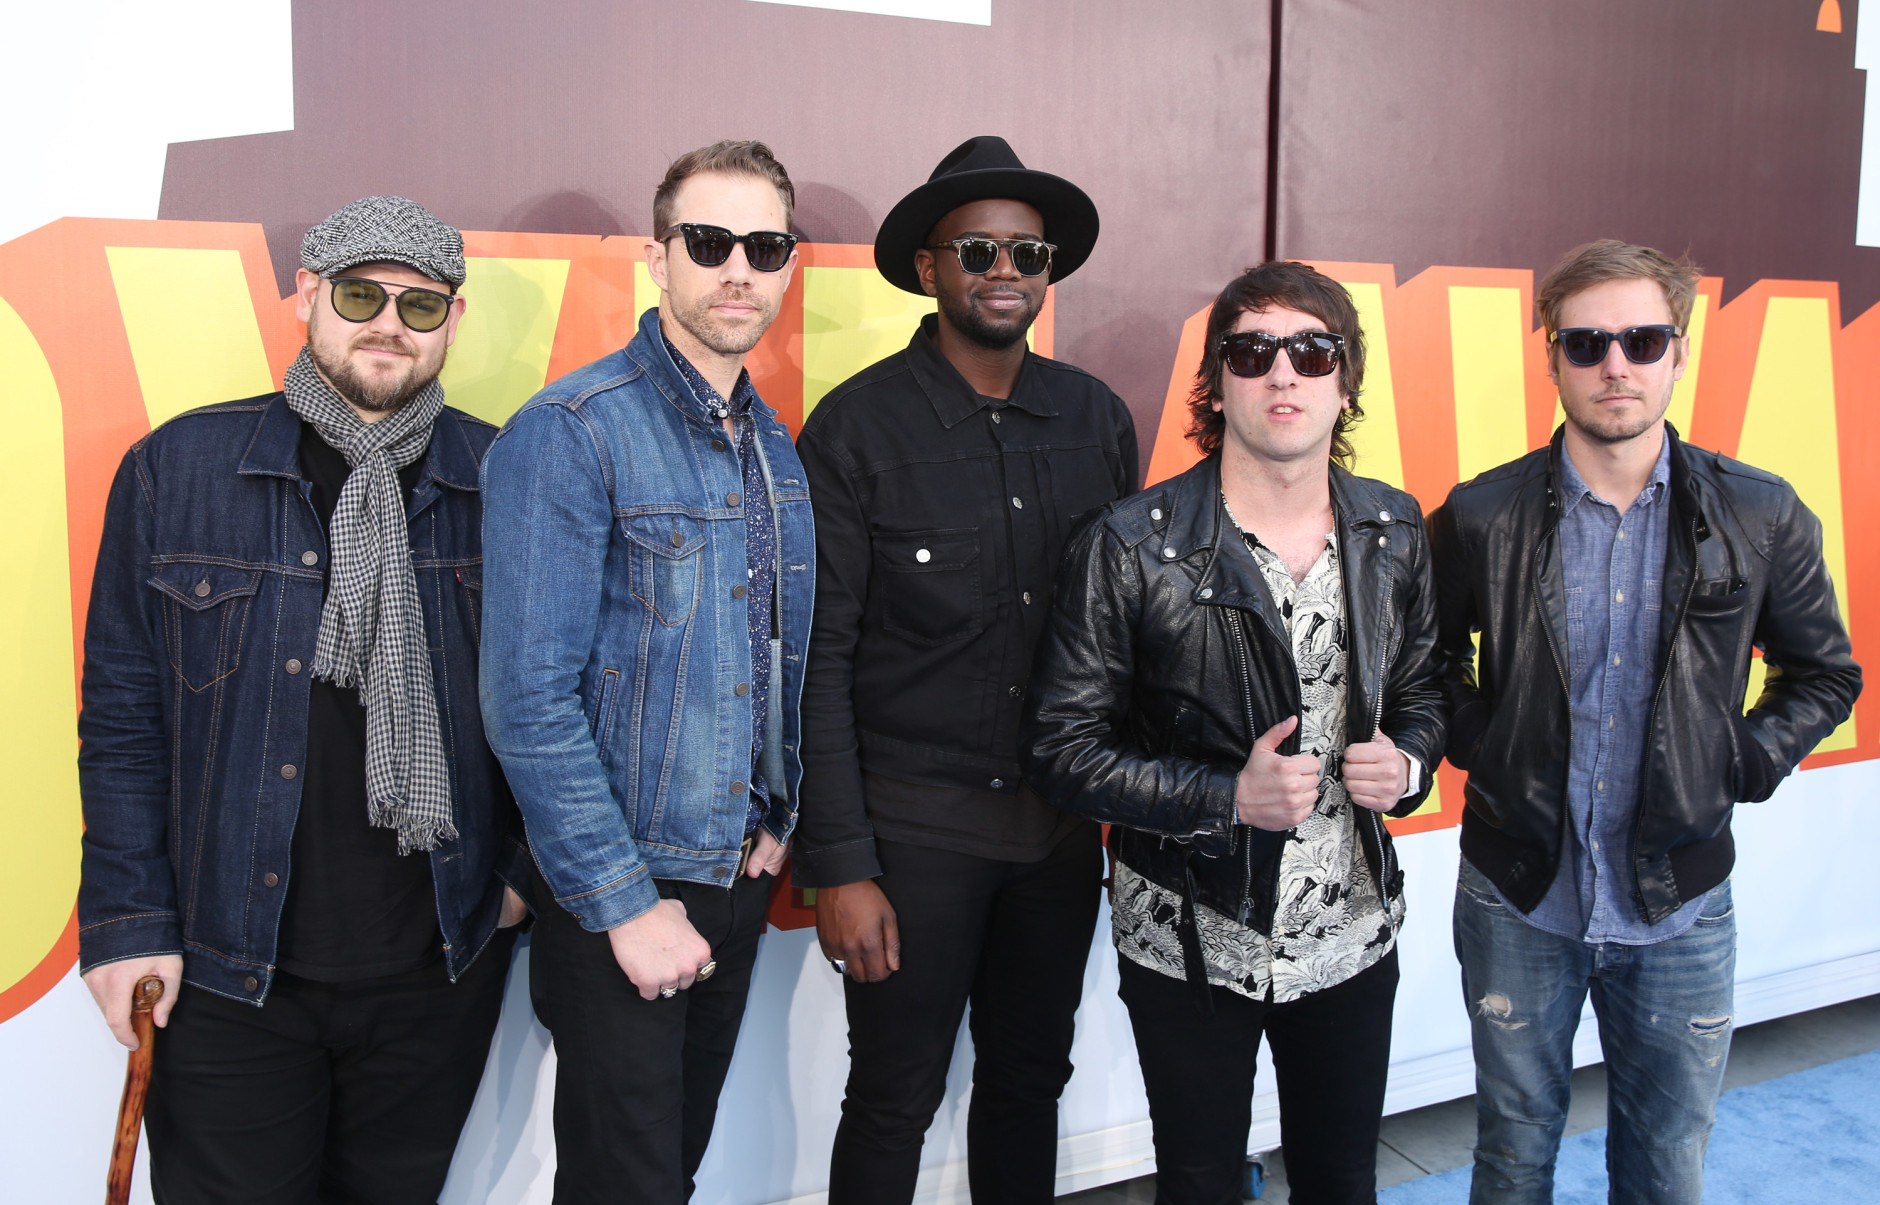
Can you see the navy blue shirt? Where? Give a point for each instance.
(760, 545)
(1613, 567)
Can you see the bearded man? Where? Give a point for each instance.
(946, 480)
(291, 816)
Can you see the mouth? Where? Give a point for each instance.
(1284, 412)
(1003, 303)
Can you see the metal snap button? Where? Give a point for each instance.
(1207, 591)
(293, 665)
(202, 588)
(718, 445)
(721, 872)
(737, 786)
(1169, 553)
(1027, 597)
(1015, 691)
(997, 783)
(310, 557)
(733, 498)
(289, 772)
(741, 689)
(678, 541)
(737, 591)
(995, 416)
(271, 879)
(923, 556)
(1156, 514)
(251, 983)
(1383, 541)
(1384, 515)
(1019, 503)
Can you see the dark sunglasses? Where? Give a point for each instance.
(710, 246)
(1252, 353)
(1030, 256)
(357, 299)
(1586, 346)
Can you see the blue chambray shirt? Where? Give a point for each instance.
(1614, 568)
(760, 544)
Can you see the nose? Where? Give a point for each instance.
(737, 269)
(1002, 267)
(1615, 364)
(1282, 375)
(387, 321)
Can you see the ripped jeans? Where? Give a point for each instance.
(1664, 1015)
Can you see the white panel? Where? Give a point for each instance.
(1867, 58)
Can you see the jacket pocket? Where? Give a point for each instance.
(664, 562)
(929, 585)
(205, 613)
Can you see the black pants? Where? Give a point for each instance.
(1331, 1054)
(637, 1081)
(337, 1093)
(1012, 938)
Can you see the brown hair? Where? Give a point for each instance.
(1272, 285)
(727, 157)
(1609, 259)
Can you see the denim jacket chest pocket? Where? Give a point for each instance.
(929, 585)
(205, 615)
(663, 563)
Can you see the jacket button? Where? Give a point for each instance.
(923, 556)
(741, 689)
(1027, 597)
(293, 665)
(678, 541)
(251, 983)
(1384, 516)
(721, 872)
(289, 772)
(733, 498)
(995, 416)
(1015, 691)
(1169, 553)
(1383, 541)
(997, 783)
(1156, 514)
(737, 591)
(718, 445)
(1207, 591)
(310, 557)
(1018, 503)
(737, 786)
(202, 588)
(271, 879)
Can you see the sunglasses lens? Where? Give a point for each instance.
(1313, 355)
(1250, 355)
(977, 255)
(357, 300)
(1584, 348)
(767, 251)
(423, 310)
(1645, 344)
(1030, 259)
(708, 246)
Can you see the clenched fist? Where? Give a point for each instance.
(1273, 792)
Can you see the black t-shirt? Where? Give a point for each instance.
(355, 908)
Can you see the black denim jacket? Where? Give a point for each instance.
(940, 518)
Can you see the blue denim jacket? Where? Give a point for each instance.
(195, 700)
(617, 662)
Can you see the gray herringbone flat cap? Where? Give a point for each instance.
(384, 228)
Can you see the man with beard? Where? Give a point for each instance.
(1618, 579)
(291, 816)
(946, 480)
(648, 583)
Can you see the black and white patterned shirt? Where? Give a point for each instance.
(1330, 923)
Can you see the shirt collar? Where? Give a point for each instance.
(1573, 487)
(741, 395)
(953, 399)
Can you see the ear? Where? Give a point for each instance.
(457, 306)
(656, 263)
(306, 289)
(1682, 345)
(924, 268)
(786, 272)
(1553, 361)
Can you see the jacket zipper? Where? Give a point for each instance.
(1246, 702)
(1386, 857)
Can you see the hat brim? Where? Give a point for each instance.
(1070, 218)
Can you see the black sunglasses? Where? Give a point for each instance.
(1586, 346)
(710, 246)
(357, 299)
(1252, 353)
(1030, 256)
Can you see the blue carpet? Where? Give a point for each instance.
(1811, 1136)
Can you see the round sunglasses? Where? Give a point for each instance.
(1253, 353)
(710, 246)
(357, 299)
(1585, 346)
(1030, 256)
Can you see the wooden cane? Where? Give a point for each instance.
(144, 997)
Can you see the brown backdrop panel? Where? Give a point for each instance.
(1484, 133)
(562, 119)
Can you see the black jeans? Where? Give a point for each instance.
(637, 1081)
(1011, 937)
(1331, 1055)
(336, 1093)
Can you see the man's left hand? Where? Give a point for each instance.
(514, 910)
(766, 855)
(1376, 773)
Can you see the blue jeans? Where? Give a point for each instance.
(1664, 1015)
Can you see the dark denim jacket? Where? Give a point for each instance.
(616, 676)
(194, 725)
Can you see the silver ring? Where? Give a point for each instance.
(839, 966)
(705, 972)
(668, 992)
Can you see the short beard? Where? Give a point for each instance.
(977, 328)
(1611, 434)
(725, 341)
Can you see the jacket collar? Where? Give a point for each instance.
(274, 449)
(953, 400)
(648, 350)
(1682, 482)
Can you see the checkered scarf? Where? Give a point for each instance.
(372, 628)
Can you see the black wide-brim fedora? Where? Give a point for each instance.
(980, 169)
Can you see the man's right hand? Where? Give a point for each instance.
(659, 949)
(1273, 792)
(856, 924)
(112, 984)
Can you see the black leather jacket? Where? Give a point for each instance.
(1165, 658)
(1743, 566)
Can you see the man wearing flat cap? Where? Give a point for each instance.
(291, 815)
(945, 480)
